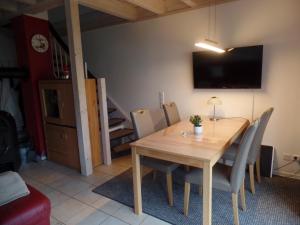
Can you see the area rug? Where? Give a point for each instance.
(276, 202)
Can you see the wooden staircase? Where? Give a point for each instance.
(120, 136)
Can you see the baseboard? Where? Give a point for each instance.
(287, 174)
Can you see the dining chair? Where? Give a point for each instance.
(254, 154)
(226, 178)
(171, 113)
(144, 126)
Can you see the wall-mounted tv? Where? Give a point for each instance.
(239, 68)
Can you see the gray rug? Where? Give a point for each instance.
(276, 202)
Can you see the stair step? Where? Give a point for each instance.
(115, 121)
(121, 147)
(120, 133)
(110, 110)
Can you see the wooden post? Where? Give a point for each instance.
(78, 83)
(104, 120)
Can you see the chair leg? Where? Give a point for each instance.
(252, 182)
(235, 208)
(170, 188)
(257, 164)
(154, 174)
(187, 189)
(243, 197)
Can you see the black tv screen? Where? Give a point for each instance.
(239, 68)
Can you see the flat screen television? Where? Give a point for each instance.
(240, 68)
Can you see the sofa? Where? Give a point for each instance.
(33, 209)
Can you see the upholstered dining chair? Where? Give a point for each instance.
(226, 178)
(144, 126)
(171, 113)
(254, 154)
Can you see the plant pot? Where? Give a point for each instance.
(198, 130)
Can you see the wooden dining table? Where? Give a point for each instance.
(178, 144)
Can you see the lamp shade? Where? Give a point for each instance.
(214, 101)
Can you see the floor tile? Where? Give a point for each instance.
(127, 215)
(95, 178)
(54, 221)
(67, 210)
(39, 186)
(113, 221)
(88, 216)
(57, 198)
(150, 220)
(87, 196)
(73, 187)
(107, 205)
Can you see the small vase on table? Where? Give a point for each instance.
(196, 120)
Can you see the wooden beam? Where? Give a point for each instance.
(113, 7)
(28, 2)
(78, 82)
(42, 6)
(155, 6)
(8, 6)
(190, 3)
(101, 86)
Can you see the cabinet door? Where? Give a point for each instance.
(62, 145)
(67, 105)
(57, 102)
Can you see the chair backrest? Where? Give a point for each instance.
(239, 165)
(171, 113)
(142, 122)
(255, 148)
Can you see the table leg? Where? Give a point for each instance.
(207, 193)
(136, 173)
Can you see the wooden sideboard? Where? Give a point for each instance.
(60, 123)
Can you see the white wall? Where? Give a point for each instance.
(8, 55)
(140, 59)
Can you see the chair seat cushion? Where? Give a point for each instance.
(160, 165)
(33, 209)
(221, 177)
(231, 153)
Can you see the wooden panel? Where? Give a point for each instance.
(91, 100)
(62, 145)
(155, 6)
(113, 7)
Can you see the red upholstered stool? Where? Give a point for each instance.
(33, 209)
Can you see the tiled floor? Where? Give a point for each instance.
(72, 199)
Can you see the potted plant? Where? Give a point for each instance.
(197, 120)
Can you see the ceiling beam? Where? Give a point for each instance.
(8, 6)
(116, 8)
(42, 6)
(155, 6)
(190, 3)
(27, 2)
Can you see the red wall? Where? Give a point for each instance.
(40, 68)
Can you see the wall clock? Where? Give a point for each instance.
(39, 43)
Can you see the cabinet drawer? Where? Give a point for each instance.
(62, 145)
